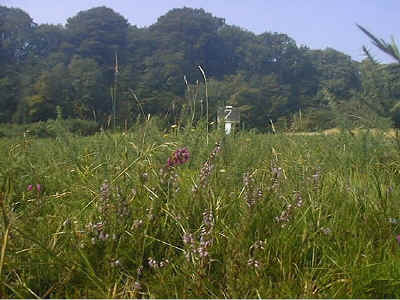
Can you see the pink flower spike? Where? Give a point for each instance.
(179, 157)
(38, 187)
(398, 238)
(30, 187)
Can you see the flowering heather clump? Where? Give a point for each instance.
(198, 250)
(258, 246)
(115, 263)
(315, 179)
(136, 224)
(112, 202)
(168, 174)
(207, 168)
(326, 230)
(287, 213)
(276, 177)
(205, 234)
(155, 264)
(251, 193)
(104, 205)
(31, 187)
(179, 157)
(299, 200)
(97, 232)
(111, 206)
(253, 263)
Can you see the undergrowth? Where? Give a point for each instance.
(159, 214)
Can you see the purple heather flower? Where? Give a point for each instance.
(38, 187)
(115, 263)
(326, 230)
(208, 219)
(202, 252)
(398, 238)
(180, 156)
(253, 262)
(163, 263)
(102, 236)
(276, 172)
(187, 238)
(152, 263)
(30, 187)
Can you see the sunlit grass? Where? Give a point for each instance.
(258, 216)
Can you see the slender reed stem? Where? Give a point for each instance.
(5, 238)
(205, 83)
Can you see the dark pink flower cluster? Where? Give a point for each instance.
(180, 156)
(31, 187)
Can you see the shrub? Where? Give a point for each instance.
(50, 128)
(81, 127)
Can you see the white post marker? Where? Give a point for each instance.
(231, 116)
(228, 127)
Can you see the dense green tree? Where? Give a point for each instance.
(97, 58)
(90, 95)
(98, 33)
(16, 29)
(261, 101)
(49, 90)
(47, 39)
(338, 73)
(194, 34)
(9, 82)
(234, 49)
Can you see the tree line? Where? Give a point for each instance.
(99, 67)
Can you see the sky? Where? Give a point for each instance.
(317, 24)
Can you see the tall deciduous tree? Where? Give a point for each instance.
(90, 96)
(194, 34)
(16, 29)
(98, 33)
(338, 73)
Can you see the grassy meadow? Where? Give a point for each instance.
(159, 214)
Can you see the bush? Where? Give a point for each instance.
(80, 127)
(50, 128)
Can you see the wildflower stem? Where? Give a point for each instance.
(3, 251)
(205, 83)
(5, 239)
(163, 242)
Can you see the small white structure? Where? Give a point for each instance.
(229, 116)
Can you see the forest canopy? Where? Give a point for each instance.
(98, 66)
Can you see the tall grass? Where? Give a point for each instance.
(248, 215)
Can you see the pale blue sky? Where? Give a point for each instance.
(315, 23)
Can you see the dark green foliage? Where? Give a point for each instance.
(98, 33)
(98, 56)
(50, 128)
(80, 127)
(388, 48)
(16, 29)
(337, 73)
